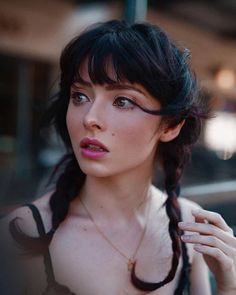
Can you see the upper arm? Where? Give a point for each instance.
(12, 261)
(25, 219)
(17, 268)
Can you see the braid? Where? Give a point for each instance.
(68, 186)
(167, 78)
(173, 156)
(172, 165)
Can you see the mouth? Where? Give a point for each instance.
(93, 145)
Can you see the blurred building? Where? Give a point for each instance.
(32, 35)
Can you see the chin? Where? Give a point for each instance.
(95, 169)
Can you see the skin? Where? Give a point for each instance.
(214, 239)
(122, 200)
(100, 115)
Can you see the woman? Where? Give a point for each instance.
(127, 102)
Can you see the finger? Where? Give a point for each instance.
(208, 229)
(213, 218)
(210, 241)
(225, 261)
(199, 219)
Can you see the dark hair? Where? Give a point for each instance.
(140, 53)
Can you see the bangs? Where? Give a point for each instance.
(124, 52)
(136, 54)
(115, 52)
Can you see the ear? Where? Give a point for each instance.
(170, 133)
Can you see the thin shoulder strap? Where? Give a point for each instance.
(38, 219)
(41, 230)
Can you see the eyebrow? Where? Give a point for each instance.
(115, 86)
(124, 86)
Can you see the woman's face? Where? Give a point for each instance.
(109, 134)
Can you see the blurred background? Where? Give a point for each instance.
(32, 35)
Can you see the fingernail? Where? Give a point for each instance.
(184, 238)
(181, 224)
(198, 248)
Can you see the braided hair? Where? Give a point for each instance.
(140, 53)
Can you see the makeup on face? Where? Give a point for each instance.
(98, 111)
(92, 148)
(132, 93)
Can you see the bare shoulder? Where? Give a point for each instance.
(24, 217)
(186, 207)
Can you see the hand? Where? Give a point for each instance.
(215, 240)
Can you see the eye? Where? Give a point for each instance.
(124, 103)
(79, 98)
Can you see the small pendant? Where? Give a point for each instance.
(130, 264)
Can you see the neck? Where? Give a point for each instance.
(116, 198)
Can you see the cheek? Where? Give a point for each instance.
(140, 133)
(69, 123)
(73, 123)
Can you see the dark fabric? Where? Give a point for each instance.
(54, 288)
(42, 232)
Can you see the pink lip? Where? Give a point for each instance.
(90, 153)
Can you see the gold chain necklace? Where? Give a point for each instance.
(130, 260)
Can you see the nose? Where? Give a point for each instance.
(94, 118)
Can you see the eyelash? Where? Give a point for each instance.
(131, 102)
(76, 96)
